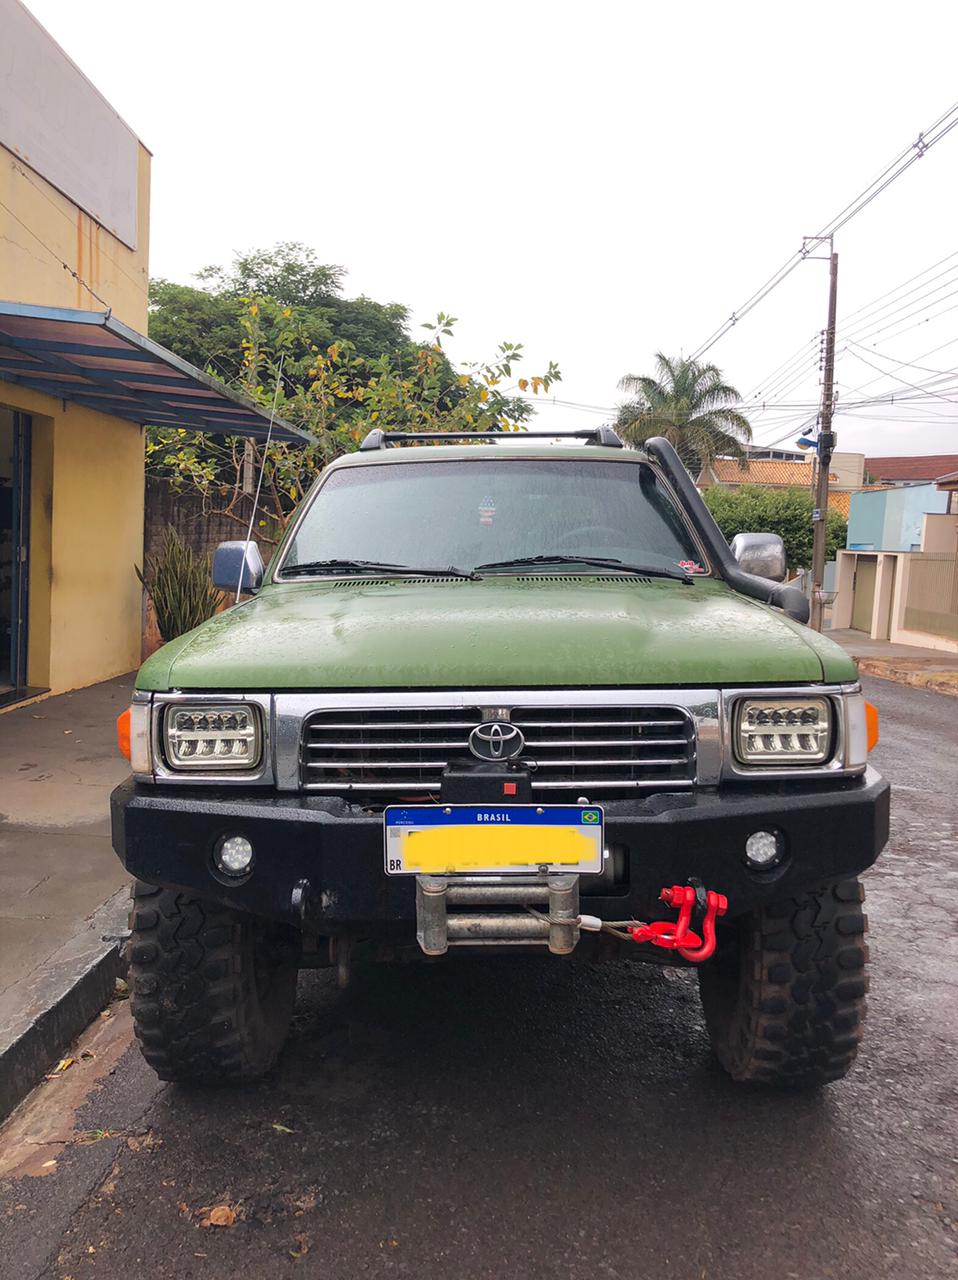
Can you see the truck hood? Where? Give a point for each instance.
(500, 632)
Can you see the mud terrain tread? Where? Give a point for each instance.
(786, 1004)
(196, 1011)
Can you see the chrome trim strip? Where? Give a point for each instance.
(709, 709)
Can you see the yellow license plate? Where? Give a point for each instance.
(475, 839)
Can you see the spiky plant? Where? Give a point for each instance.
(690, 405)
(180, 585)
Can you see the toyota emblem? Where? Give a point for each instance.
(496, 740)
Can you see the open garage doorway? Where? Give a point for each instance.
(14, 538)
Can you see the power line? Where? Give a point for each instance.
(903, 161)
(878, 323)
(902, 381)
(908, 364)
(878, 305)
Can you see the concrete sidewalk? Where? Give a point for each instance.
(904, 663)
(61, 886)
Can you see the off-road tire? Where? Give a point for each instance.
(211, 990)
(784, 997)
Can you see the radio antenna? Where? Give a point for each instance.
(259, 482)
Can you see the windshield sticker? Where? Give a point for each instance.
(487, 511)
(691, 566)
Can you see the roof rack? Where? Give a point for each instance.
(379, 439)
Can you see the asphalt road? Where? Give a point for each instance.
(543, 1119)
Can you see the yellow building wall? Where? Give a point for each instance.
(86, 537)
(40, 230)
(86, 516)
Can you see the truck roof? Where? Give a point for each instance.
(515, 445)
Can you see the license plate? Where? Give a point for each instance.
(477, 839)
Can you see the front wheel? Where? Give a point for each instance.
(784, 997)
(212, 990)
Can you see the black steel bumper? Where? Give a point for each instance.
(165, 835)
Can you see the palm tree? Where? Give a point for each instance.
(691, 406)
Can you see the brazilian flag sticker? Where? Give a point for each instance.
(591, 816)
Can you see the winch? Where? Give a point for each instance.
(543, 910)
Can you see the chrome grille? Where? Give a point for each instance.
(402, 751)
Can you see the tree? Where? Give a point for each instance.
(334, 386)
(785, 511)
(690, 405)
(206, 325)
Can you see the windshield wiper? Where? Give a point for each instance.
(602, 562)
(374, 566)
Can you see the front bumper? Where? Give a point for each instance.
(166, 836)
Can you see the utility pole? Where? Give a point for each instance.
(826, 446)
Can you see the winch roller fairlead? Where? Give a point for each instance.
(558, 926)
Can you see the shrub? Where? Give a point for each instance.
(787, 512)
(180, 585)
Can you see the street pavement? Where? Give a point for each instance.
(480, 1119)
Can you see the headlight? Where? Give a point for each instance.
(212, 738)
(771, 731)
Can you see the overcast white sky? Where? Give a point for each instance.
(598, 181)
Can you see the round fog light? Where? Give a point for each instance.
(233, 855)
(763, 849)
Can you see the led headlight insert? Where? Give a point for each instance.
(209, 739)
(783, 731)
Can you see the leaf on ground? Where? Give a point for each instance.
(302, 1247)
(120, 989)
(94, 1135)
(63, 1065)
(223, 1215)
(282, 1128)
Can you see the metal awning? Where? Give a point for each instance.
(89, 357)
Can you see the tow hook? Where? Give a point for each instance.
(677, 935)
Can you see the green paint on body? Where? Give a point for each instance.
(502, 632)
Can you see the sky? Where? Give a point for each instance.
(598, 182)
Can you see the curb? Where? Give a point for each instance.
(42, 1015)
(935, 681)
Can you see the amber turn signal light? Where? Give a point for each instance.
(871, 724)
(123, 733)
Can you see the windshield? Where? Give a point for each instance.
(467, 513)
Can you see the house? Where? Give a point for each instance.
(918, 470)
(898, 579)
(78, 378)
(845, 476)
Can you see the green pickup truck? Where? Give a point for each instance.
(501, 692)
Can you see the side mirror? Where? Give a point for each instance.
(233, 558)
(761, 554)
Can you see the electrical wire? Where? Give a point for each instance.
(902, 162)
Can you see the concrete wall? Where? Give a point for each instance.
(43, 230)
(848, 469)
(866, 520)
(891, 519)
(940, 533)
(892, 586)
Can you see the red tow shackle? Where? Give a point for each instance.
(676, 935)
